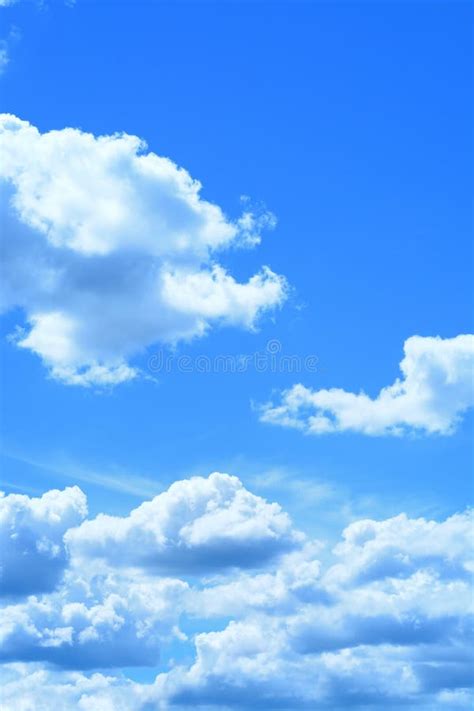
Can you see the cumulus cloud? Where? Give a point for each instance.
(382, 621)
(32, 553)
(275, 592)
(400, 546)
(250, 665)
(110, 248)
(434, 392)
(394, 639)
(30, 687)
(197, 525)
(105, 621)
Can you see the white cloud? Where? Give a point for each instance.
(27, 687)
(276, 592)
(399, 545)
(33, 556)
(196, 525)
(384, 622)
(436, 389)
(250, 665)
(110, 249)
(102, 621)
(399, 639)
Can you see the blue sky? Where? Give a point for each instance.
(352, 124)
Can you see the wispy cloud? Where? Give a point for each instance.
(69, 470)
(5, 45)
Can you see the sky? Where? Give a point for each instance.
(237, 268)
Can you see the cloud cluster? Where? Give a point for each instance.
(399, 636)
(385, 621)
(435, 390)
(30, 687)
(33, 555)
(109, 249)
(198, 525)
(103, 621)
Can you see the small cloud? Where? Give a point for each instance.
(431, 397)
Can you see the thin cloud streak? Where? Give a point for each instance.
(127, 484)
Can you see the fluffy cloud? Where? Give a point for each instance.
(400, 546)
(384, 621)
(275, 592)
(109, 249)
(32, 555)
(27, 687)
(352, 679)
(105, 621)
(436, 389)
(197, 525)
(250, 665)
(393, 638)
